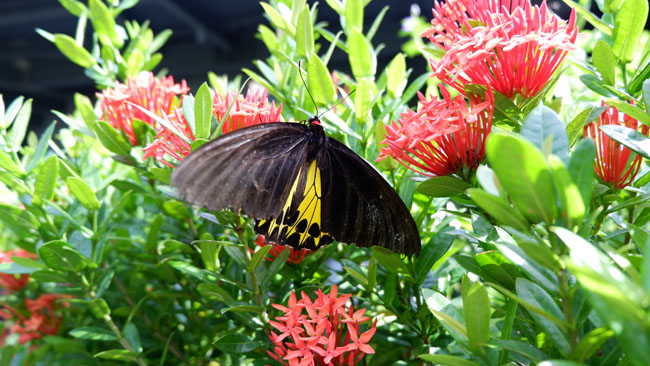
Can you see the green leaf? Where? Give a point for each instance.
(443, 186)
(275, 267)
(320, 82)
(118, 354)
(631, 138)
(258, 257)
(75, 53)
(572, 207)
(8, 164)
(83, 192)
(41, 148)
(577, 124)
(177, 210)
(27, 262)
(605, 62)
(93, 333)
(476, 305)
(361, 55)
(237, 343)
(212, 291)
(639, 83)
(16, 134)
(111, 139)
(363, 101)
(396, 76)
(431, 253)
(131, 335)
(210, 254)
(14, 268)
(46, 181)
(542, 276)
(134, 63)
(164, 175)
(447, 360)
(523, 172)
(104, 24)
(525, 349)
(633, 111)
(544, 128)
(536, 296)
(591, 343)
(581, 168)
(495, 267)
(203, 111)
(245, 309)
(304, 34)
(188, 269)
(389, 259)
(560, 363)
(59, 255)
(268, 37)
(372, 272)
(75, 7)
(628, 26)
(277, 20)
(446, 313)
(357, 276)
(47, 275)
(617, 299)
(499, 209)
(353, 16)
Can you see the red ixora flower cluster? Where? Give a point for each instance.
(11, 282)
(295, 256)
(245, 111)
(320, 332)
(41, 321)
(444, 136)
(613, 164)
(507, 45)
(156, 95)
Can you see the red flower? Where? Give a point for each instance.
(326, 335)
(613, 164)
(443, 137)
(145, 90)
(252, 110)
(509, 46)
(296, 256)
(41, 321)
(11, 282)
(169, 144)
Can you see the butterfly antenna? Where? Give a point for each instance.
(335, 105)
(305, 84)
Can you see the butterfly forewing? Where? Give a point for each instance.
(248, 169)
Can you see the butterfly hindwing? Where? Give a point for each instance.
(250, 169)
(299, 223)
(361, 207)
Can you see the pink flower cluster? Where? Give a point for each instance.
(320, 332)
(295, 256)
(508, 45)
(251, 110)
(444, 136)
(11, 282)
(613, 164)
(41, 319)
(145, 90)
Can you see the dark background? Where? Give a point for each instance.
(209, 35)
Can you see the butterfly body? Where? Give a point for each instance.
(303, 188)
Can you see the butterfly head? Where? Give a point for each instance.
(314, 121)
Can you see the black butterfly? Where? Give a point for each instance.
(304, 188)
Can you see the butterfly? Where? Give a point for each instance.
(304, 188)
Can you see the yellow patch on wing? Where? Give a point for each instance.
(302, 227)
